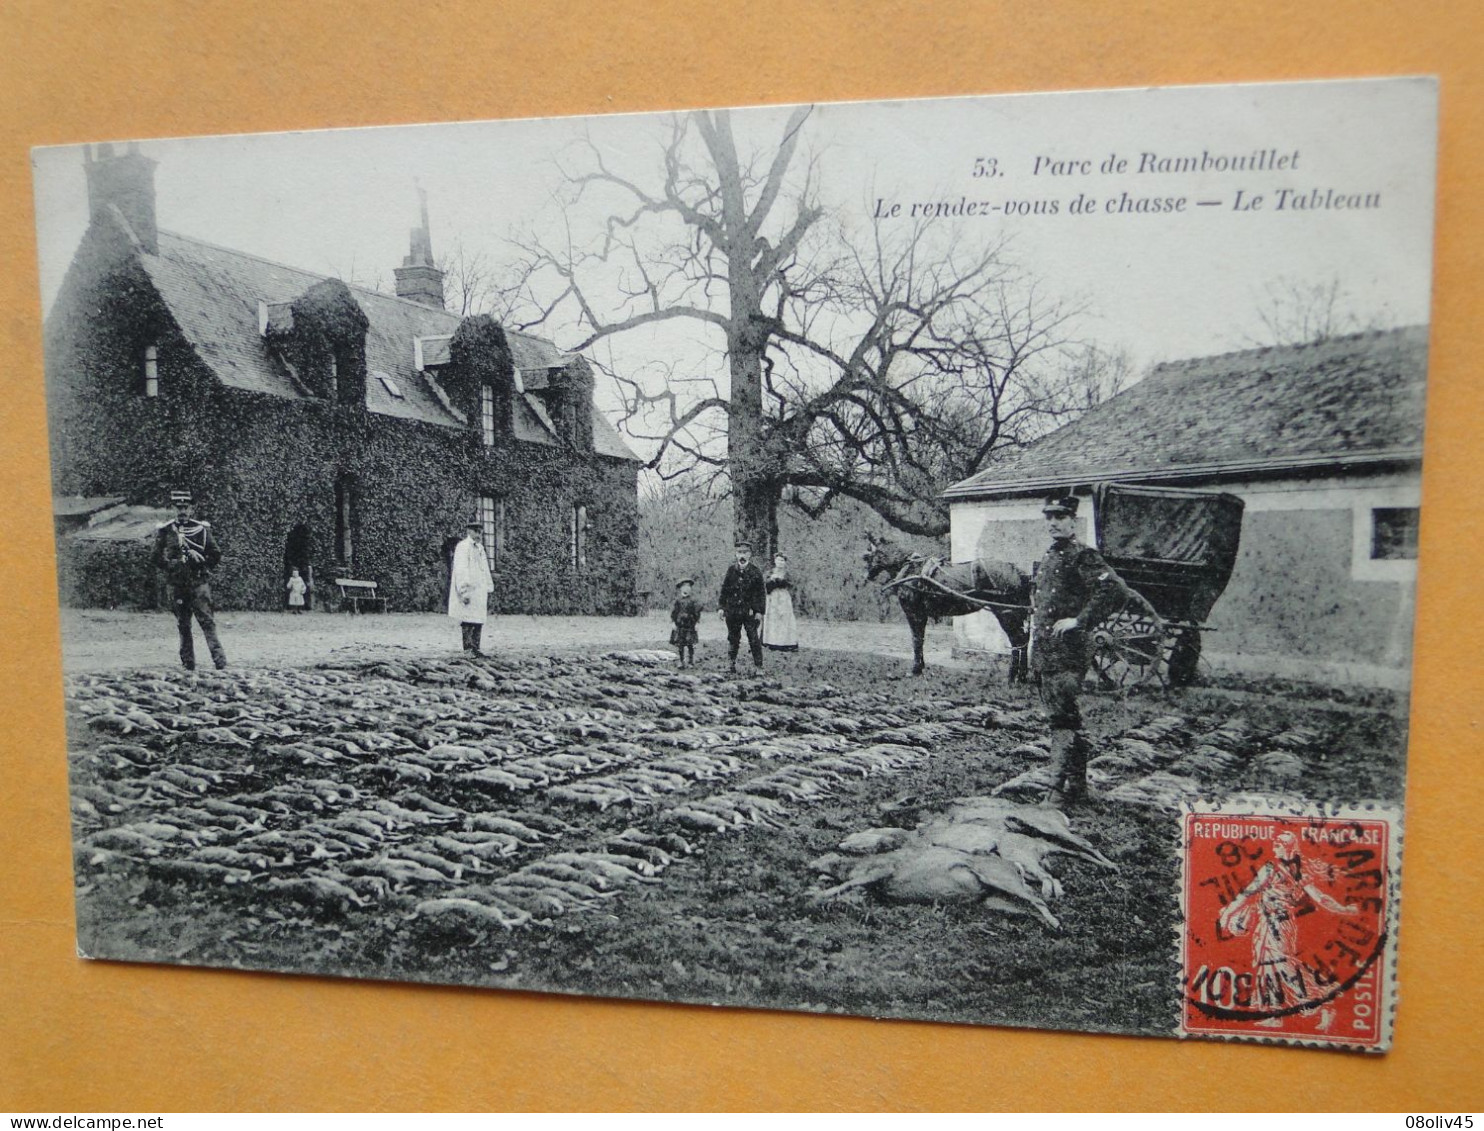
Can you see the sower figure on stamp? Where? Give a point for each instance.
(744, 599)
(469, 586)
(1076, 590)
(187, 552)
(1269, 907)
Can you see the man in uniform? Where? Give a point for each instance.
(187, 552)
(744, 599)
(1076, 590)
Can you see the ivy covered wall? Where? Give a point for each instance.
(259, 465)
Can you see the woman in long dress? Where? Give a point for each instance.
(780, 630)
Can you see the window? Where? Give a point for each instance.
(559, 406)
(334, 375)
(569, 417)
(151, 371)
(487, 414)
(492, 518)
(577, 538)
(1394, 533)
(344, 522)
(389, 383)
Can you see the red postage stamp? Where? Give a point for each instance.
(1286, 932)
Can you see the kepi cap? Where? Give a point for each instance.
(179, 498)
(743, 546)
(474, 524)
(685, 581)
(1061, 504)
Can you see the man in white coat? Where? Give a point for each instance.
(469, 587)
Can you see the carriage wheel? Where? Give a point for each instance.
(1130, 646)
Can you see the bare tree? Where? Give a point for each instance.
(474, 283)
(1298, 312)
(355, 275)
(1092, 375)
(875, 365)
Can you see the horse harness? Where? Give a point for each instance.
(919, 568)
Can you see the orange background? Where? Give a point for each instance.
(96, 1036)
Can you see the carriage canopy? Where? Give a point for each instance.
(1176, 547)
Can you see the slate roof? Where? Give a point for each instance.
(79, 506)
(1345, 403)
(126, 524)
(214, 293)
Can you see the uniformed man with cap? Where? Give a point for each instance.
(1076, 590)
(744, 599)
(187, 552)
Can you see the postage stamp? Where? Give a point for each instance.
(1287, 921)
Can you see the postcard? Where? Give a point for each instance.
(948, 559)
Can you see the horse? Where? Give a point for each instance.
(926, 587)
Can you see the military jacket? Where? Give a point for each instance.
(1073, 581)
(742, 591)
(186, 551)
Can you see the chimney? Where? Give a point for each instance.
(418, 279)
(127, 182)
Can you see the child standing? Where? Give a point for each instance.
(296, 592)
(684, 615)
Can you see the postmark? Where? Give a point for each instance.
(1287, 924)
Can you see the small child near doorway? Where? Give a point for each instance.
(685, 614)
(296, 589)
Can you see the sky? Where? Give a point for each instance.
(1160, 286)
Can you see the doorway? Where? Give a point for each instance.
(298, 552)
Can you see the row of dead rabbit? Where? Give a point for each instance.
(415, 784)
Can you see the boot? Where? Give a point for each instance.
(1068, 768)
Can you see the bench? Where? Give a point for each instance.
(356, 595)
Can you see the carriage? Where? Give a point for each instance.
(1174, 548)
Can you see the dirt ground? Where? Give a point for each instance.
(104, 640)
(222, 818)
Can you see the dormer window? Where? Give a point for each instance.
(430, 352)
(320, 337)
(569, 419)
(389, 383)
(487, 414)
(151, 374)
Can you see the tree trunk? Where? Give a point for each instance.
(755, 507)
(755, 488)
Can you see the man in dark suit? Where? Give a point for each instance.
(744, 598)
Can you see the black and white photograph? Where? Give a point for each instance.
(950, 559)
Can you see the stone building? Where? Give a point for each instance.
(1322, 442)
(338, 430)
